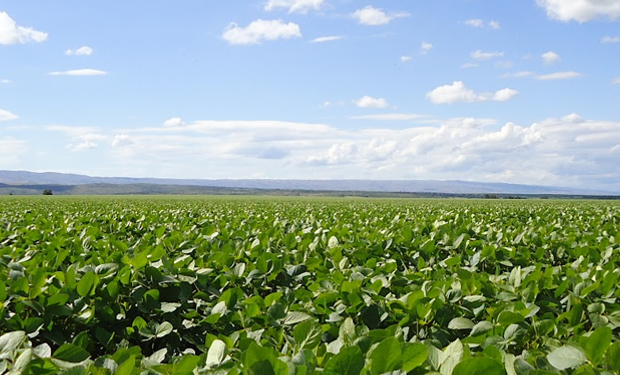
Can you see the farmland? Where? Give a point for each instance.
(308, 286)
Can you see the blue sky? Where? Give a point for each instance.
(483, 90)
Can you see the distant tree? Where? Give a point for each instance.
(11, 193)
(47, 192)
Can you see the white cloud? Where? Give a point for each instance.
(481, 56)
(580, 10)
(324, 39)
(295, 6)
(405, 58)
(5, 81)
(260, 30)
(10, 151)
(558, 75)
(458, 92)
(11, 33)
(82, 51)
(425, 48)
(478, 23)
(470, 65)
(504, 95)
(374, 16)
(550, 57)
(390, 117)
(82, 146)
(6, 115)
(175, 121)
(370, 102)
(564, 151)
(616, 81)
(80, 72)
(121, 140)
(520, 74)
(328, 104)
(611, 39)
(82, 137)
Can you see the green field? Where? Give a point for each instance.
(295, 286)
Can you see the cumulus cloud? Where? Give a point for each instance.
(6, 115)
(11, 33)
(458, 92)
(295, 6)
(11, 150)
(481, 56)
(610, 39)
(504, 95)
(175, 121)
(568, 150)
(80, 72)
(580, 10)
(520, 74)
(121, 140)
(82, 51)
(558, 75)
(425, 48)
(405, 58)
(82, 138)
(5, 81)
(478, 23)
(261, 30)
(350, 152)
(470, 65)
(390, 117)
(616, 81)
(550, 57)
(370, 102)
(374, 16)
(324, 39)
(327, 104)
(82, 146)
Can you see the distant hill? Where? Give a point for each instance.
(81, 184)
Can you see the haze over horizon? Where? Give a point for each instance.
(498, 91)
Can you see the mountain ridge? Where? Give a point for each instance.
(17, 178)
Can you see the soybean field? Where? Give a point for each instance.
(301, 286)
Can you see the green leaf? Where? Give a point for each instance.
(613, 357)
(347, 333)
(386, 357)
(126, 368)
(479, 366)
(414, 355)
(481, 328)
(350, 361)
(461, 323)
(71, 353)
(3, 293)
(566, 357)
(11, 341)
(307, 335)
(87, 283)
(258, 360)
(295, 317)
(596, 345)
(163, 329)
(216, 354)
(333, 242)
